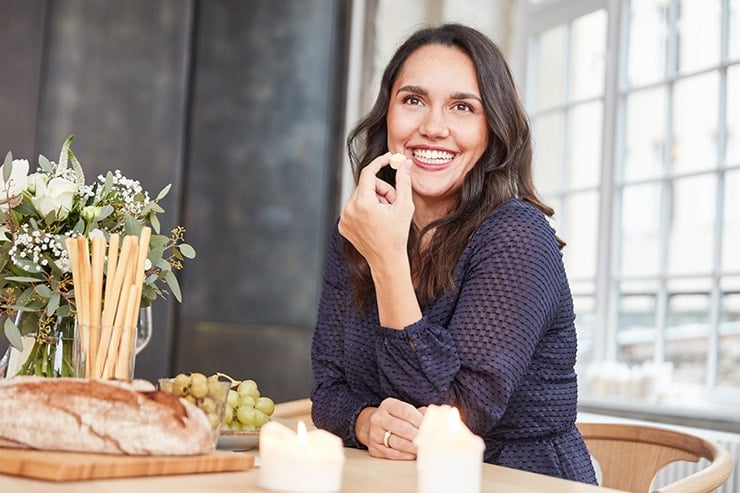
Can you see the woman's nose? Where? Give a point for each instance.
(434, 124)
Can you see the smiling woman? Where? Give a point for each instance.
(444, 283)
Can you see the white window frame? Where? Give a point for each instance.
(532, 18)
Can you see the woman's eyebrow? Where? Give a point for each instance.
(423, 92)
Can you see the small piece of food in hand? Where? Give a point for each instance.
(397, 160)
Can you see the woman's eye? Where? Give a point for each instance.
(463, 107)
(411, 100)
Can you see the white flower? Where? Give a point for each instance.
(11, 192)
(56, 195)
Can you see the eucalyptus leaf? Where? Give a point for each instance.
(132, 226)
(105, 211)
(23, 279)
(53, 304)
(7, 167)
(43, 290)
(155, 223)
(45, 164)
(187, 250)
(158, 241)
(171, 281)
(13, 334)
(163, 193)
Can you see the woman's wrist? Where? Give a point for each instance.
(362, 425)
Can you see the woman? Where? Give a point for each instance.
(444, 282)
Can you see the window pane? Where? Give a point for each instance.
(581, 218)
(584, 304)
(733, 115)
(687, 330)
(636, 327)
(698, 33)
(588, 45)
(695, 122)
(734, 45)
(691, 238)
(551, 67)
(644, 133)
(584, 144)
(640, 246)
(648, 40)
(729, 348)
(548, 151)
(731, 224)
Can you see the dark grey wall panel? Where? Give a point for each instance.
(239, 105)
(21, 45)
(263, 154)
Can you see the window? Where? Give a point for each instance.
(635, 109)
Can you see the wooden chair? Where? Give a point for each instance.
(631, 455)
(297, 410)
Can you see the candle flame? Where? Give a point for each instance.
(301, 434)
(454, 421)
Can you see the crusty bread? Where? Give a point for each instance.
(99, 416)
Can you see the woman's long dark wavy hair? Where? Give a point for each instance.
(504, 170)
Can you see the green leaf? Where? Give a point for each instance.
(187, 250)
(171, 281)
(158, 241)
(132, 226)
(13, 334)
(23, 279)
(163, 193)
(105, 211)
(43, 290)
(64, 153)
(53, 304)
(7, 167)
(44, 164)
(155, 223)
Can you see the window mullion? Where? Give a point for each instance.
(606, 313)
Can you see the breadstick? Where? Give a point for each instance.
(96, 298)
(110, 338)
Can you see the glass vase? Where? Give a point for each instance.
(54, 349)
(50, 348)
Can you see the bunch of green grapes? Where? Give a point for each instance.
(208, 393)
(246, 409)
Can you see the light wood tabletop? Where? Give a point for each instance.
(362, 474)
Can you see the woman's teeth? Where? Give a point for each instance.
(433, 157)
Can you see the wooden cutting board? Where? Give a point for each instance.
(73, 466)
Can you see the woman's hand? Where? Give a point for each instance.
(377, 217)
(376, 220)
(399, 420)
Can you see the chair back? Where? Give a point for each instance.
(296, 410)
(630, 456)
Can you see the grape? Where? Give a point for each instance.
(208, 393)
(266, 405)
(249, 387)
(246, 409)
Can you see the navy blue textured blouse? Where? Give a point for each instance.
(502, 349)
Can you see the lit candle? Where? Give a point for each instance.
(449, 456)
(309, 462)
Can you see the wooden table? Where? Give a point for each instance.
(362, 474)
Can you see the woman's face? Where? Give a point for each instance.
(435, 116)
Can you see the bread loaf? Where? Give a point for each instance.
(99, 416)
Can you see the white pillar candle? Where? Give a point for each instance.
(449, 456)
(309, 462)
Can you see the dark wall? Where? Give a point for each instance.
(238, 104)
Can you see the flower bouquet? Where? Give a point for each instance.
(39, 212)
